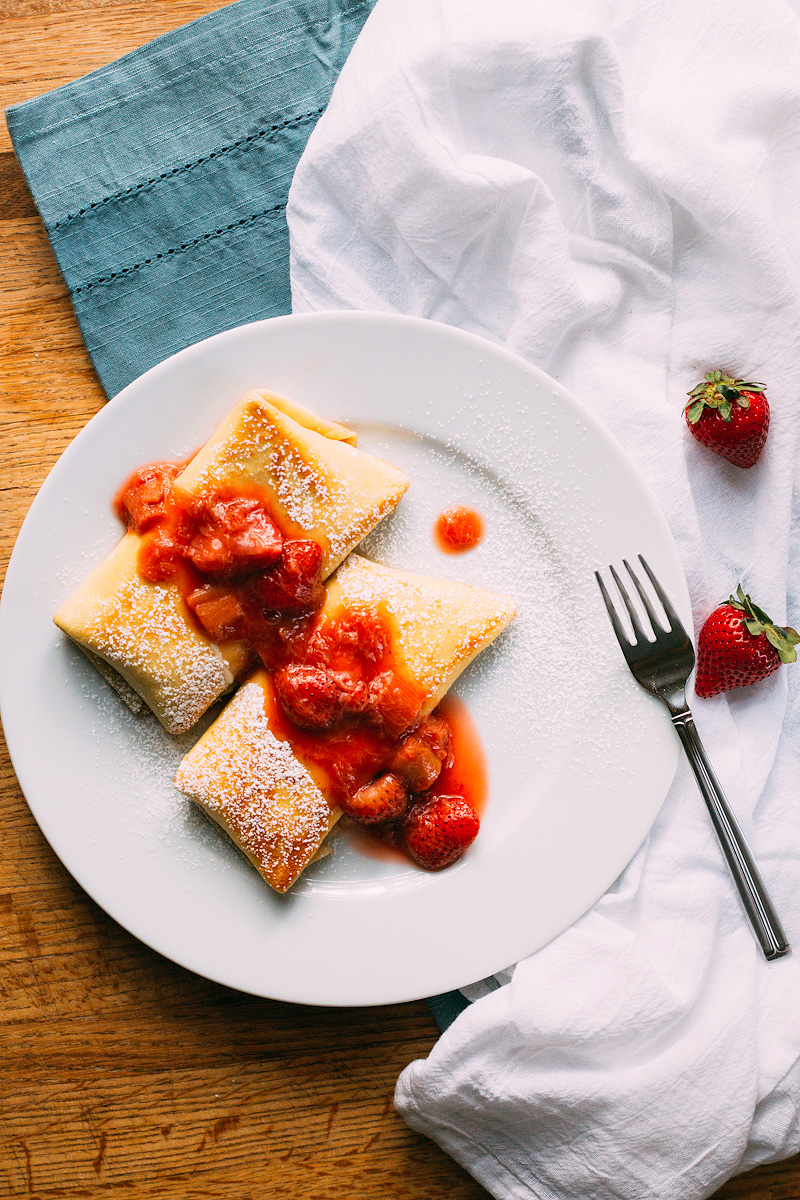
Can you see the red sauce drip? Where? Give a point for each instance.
(458, 529)
(337, 693)
(467, 776)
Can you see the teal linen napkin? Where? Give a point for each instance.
(162, 178)
(162, 182)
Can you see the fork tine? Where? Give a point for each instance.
(672, 616)
(619, 629)
(641, 636)
(645, 599)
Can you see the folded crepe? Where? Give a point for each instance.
(251, 785)
(319, 487)
(244, 772)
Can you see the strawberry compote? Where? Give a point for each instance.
(338, 694)
(241, 579)
(458, 529)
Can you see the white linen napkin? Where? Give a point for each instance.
(610, 188)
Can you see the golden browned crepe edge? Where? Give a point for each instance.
(227, 831)
(305, 417)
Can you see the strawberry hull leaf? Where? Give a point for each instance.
(695, 411)
(758, 613)
(753, 611)
(738, 601)
(757, 622)
(786, 651)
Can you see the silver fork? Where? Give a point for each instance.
(662, 665)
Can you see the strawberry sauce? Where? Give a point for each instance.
(458, 529)
(340, 759)
(335, 692)
(467, 776)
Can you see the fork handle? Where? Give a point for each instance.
(751, 888)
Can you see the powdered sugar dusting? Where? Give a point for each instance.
(143, 633)
(252, 784)
(302, 485)
(530, 678)
(343, 538)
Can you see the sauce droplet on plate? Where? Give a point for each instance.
(458, 529)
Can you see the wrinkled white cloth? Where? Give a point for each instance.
(610, 188)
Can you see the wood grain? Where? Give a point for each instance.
(123, 1074)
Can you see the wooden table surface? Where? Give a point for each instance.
(123, 1074)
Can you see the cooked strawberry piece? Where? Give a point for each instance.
(235, 536)
(140, 503)
(421, 755)
(207, 552)
(362, 634)
(317, 697)
(293, 584)
(384, 799)
(160, 556)
(302, 559)
(393, 702)
(218, 611)
(438, 829)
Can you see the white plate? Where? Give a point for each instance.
(579, 757)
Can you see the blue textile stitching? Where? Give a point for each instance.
(205, 237)
(299, 29)
(132, 191)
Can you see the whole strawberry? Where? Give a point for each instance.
(730, 416)
(739, 645)
(438, 829)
